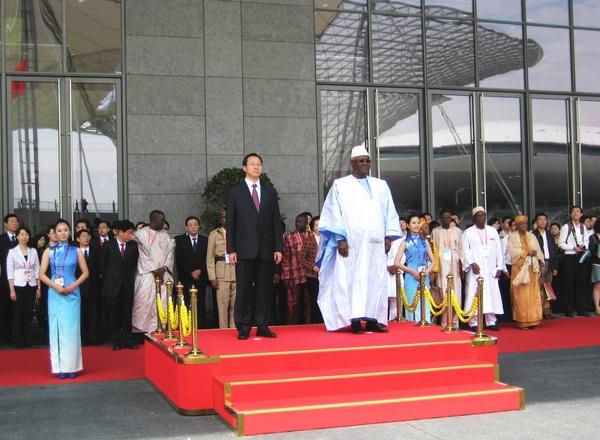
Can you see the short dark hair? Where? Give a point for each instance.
(81, 232)
(444, 211)
(538, 215)
(7, 217)
(506, 217)
(83, 220)
(192, 217)
(248, 156)
(23, 228)
(143, 224)
(402, 218)
(124, 225)
(312, 222)
(50, 228)
(105, 222)
(493, 220)
(584, 218)
(167, 224)
(155, 213)
(555, 224)
(575, 206)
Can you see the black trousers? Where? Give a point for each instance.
(22, 316)
(572, 289)
(91, 304)
(312, 284)
(5, 313)
(205, 319)
(119, 317)
(254, 295)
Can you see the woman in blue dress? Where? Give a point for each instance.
(64, 301)
(419, 258)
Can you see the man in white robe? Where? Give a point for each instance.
(357, 226)
(448, 241)
(483, 256)
(156, 259)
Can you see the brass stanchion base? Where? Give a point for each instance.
(481, 340)
(450, 329)
(402, 319)
(169, 337)
(193, 354)
(158, 331)
(423, 324)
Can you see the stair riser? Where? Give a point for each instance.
(323, 360)
(359, 384)
(381, 413)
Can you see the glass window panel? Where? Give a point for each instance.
(500, 51)
(342, 4)
(502, 155)
(94, 154)
(587, 60)
(397, 49)
(586, 13)
(589, 135)
(399, 152)
(33, 33)
(452, 142)
(34, 143)
(341, 46)
(499, 10)
(553, 69)
(550, 163)
(450, 52)
(548, 11)
(342, 128)
(449, 7)
(94, 36)
(400, 6)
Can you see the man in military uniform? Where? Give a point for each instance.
(221, 273)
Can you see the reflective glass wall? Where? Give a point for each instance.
(61, 119)
(464, 102)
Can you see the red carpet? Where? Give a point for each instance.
(32, 366)
(552, 334)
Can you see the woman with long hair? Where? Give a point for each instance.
(64, 301)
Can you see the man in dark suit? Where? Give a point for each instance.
(254, 245)
(190, 259)
(89, 289)
(8, 240)
(547, 246)
(118, 265)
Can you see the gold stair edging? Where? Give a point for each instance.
(181, 358)
(239, 415)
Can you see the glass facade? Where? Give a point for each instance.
(61, 119)
(464, 102)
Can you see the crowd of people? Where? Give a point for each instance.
(95, 284)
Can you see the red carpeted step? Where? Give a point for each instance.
(294, 414)
(354, 380)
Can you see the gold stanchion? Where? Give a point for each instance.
(181, 302)
(159, 327)
(399, 302)
(170, 336)
(194, 352)
(480, 338)
(449, 328)
(423, 322)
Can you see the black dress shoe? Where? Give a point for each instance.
(243, 334)
(131, 346)
(265, 333)
(473, 329)
(376, 327)
(117, 347)
(356, 327)
(493, 327)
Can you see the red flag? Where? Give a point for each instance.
(18, 87)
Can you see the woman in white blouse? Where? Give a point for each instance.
(22, 270)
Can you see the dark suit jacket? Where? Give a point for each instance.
(551, 249)
(5, 246)
(188, 261)
(91, 285)
(118, 273)
(249, 233)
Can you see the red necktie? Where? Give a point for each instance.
(255, 198)
(122, 249)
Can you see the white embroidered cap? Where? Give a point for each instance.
(359, 150)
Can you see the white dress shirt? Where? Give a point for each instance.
(250, 183)
(567, 241)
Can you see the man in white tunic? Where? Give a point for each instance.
(448, 241)
(357, 226)
(156, 259)
(483, 256)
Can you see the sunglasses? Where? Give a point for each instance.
(363, 160)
